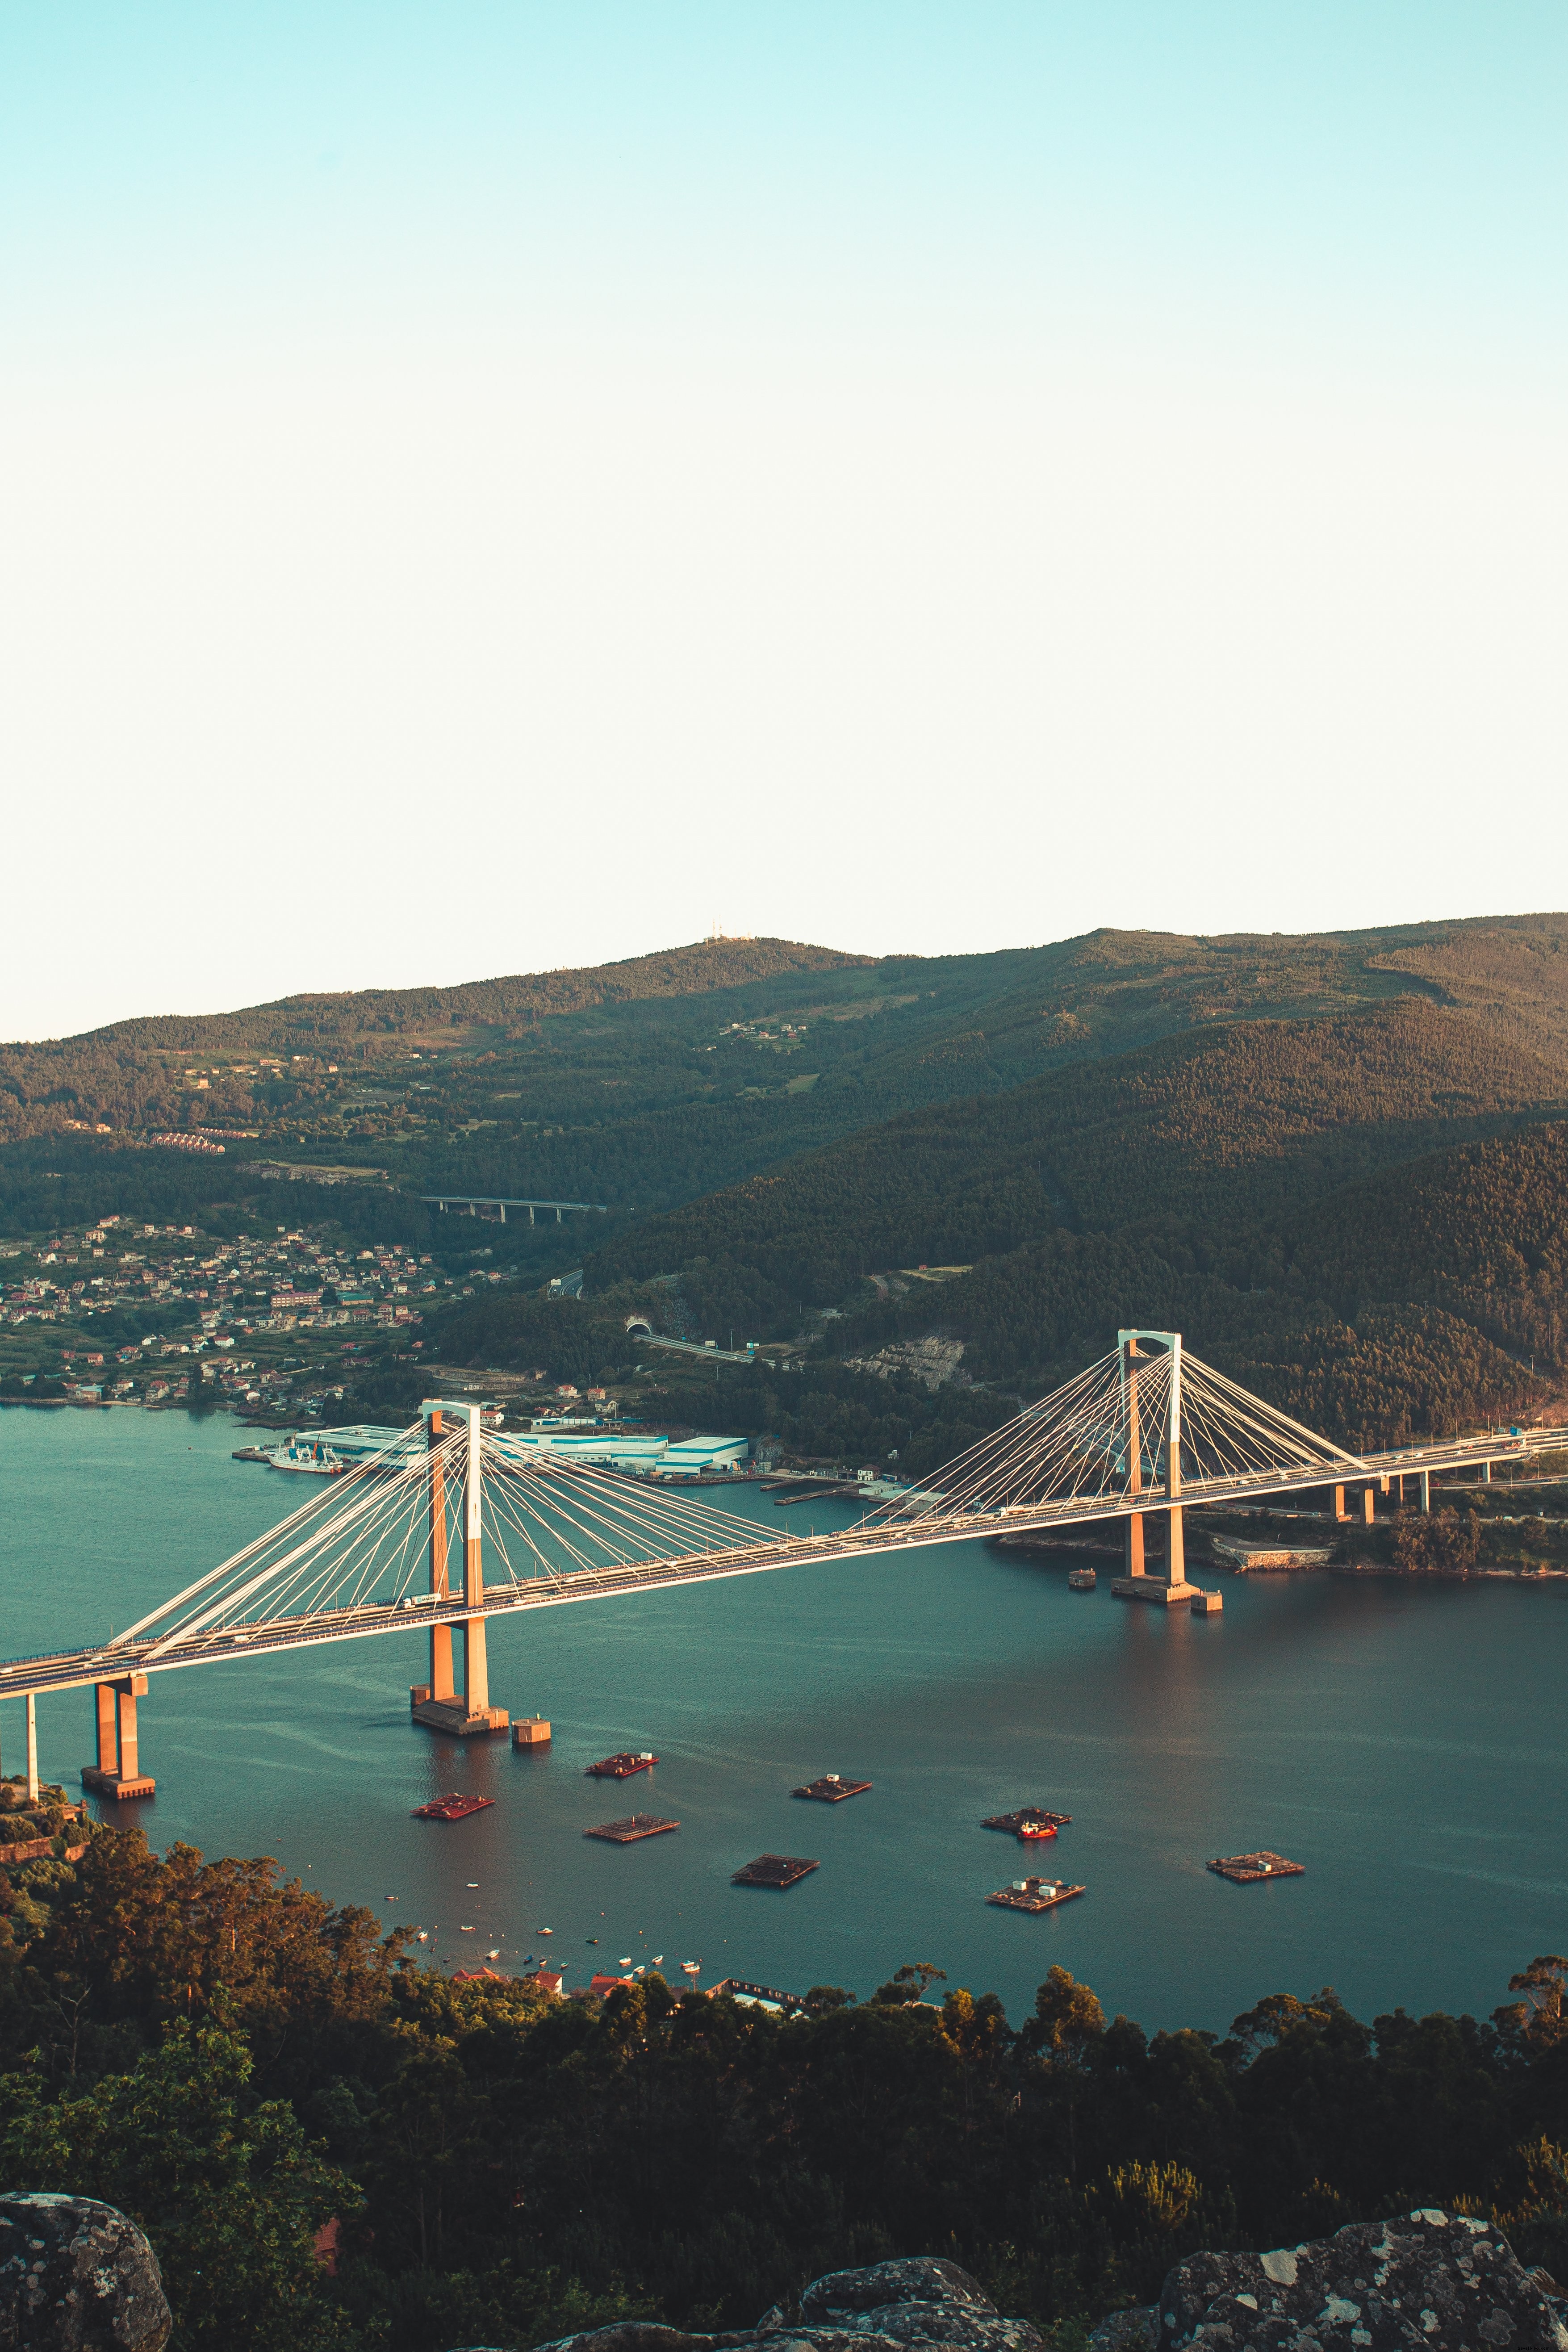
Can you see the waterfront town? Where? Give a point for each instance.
(123, 1312)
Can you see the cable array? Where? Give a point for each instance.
(368, 1543)
(1105, 1434)
(565, 1515)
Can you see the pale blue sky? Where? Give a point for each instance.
(921, 477)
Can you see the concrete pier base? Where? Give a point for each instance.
(530, 1731)
(116, 1784)
(1154, 1589)
(452, 1715)
(1208, 1605)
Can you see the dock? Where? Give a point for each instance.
(831, 1790)
(1255, 1559)
(777, 1870)
(1034, 1894)
(635, 1826)
(450, 1809)
(1245, 1868)
(621, 1767)
(1014, 1823)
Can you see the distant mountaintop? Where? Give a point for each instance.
(632, 1049)
(1125, 1126)
(347, 1015)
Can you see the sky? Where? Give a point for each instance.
(492, 487)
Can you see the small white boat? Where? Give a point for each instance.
(493, 1956)
(691, 1968)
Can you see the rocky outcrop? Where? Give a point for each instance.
(1434, 2281)
(77, 2276)
(1430, 2279)
(889, 2307)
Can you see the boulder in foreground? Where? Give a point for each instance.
(77, 2276)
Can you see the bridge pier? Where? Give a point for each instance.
(1136, 1584)
(438, 1703)
(118, 1771)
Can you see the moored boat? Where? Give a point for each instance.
(311, 1456)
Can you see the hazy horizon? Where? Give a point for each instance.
(500, 488)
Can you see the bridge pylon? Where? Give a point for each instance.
(456, 1508)
(1151, 1393)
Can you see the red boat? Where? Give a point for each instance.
(450, 1809)
(621, 1767)
(1031, 1833)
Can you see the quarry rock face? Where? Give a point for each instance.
(887, 2307)
(1429, 2279)
(77, 2276)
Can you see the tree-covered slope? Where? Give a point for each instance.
(1359, 1217)
(1223, 1127)
(650, 1082)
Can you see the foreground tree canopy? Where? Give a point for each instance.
(240, 2067)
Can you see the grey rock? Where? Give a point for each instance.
(1440, 2282)
(886, 2307)
(827, 2339)
(908, 2323)
(848, 2298)
(631, 2335)
(1137, 2330)
(77, 2276)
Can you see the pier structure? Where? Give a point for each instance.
(1163, 1444)
(438, 1702)
(118, 1771)
(451, 1525)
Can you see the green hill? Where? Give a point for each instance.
(652, 1082)
(1220, 1129)
(1356, 1216)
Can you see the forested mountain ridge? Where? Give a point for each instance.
(654, 1081)
(1219, 1125)
(1358, 1217)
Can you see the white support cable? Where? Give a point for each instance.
(375, 1497)
(332, 1497)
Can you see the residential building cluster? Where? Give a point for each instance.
(208, 1298)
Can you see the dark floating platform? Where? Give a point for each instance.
(635, 1826)
(1034, 1894)
(1244, 1868)
(621, 1767)
(780, 1870)
(831, 1790)
(1015, 1823)
(450, 1809)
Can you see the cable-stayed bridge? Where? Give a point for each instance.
(453, 1523)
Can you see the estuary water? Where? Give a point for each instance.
(1407, 1745)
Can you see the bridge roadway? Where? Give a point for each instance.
(74, 1669)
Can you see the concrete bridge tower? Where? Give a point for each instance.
(1161, 1390)
(438, 1702)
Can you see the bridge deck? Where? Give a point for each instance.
(71, 1669)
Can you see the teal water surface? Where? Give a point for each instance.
(1406, 1743)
